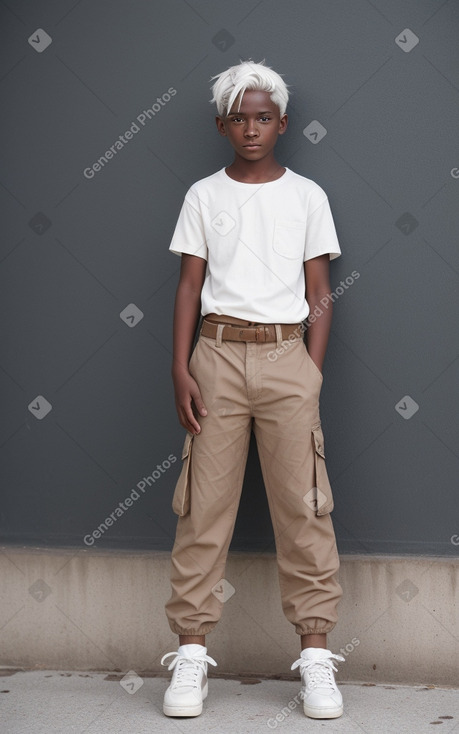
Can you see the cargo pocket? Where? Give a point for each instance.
(181, 498)
(324, 499)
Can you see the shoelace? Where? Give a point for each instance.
(187, 667)
(319, 671)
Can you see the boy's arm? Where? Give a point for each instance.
(317, 277)
(186, 316)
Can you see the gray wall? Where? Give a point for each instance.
(87, 282)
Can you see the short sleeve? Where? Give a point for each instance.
(321, 237)
(189, 235)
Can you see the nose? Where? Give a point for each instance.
(251, 130)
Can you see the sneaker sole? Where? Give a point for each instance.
(323, 713)
(182, 710)
(186, 710)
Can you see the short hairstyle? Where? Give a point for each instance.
(248, 75)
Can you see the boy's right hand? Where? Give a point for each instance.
(188, 401)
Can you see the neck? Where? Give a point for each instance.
(255, 171)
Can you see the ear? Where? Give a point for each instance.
(283, 123)
(220, 125)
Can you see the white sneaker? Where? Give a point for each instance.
(188, 687)
(320, 694)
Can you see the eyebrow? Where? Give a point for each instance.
(265, 112)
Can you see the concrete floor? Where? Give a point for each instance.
(58, 702)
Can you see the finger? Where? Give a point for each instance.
(198, 401)
(188, 420)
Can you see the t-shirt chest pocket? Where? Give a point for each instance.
(289, 238)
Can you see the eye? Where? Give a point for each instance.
(266, 119)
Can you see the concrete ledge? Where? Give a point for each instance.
(86, 609)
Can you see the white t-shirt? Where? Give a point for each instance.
(255, 238)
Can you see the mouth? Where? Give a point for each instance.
(252, 145)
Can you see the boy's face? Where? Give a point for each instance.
(253, 130)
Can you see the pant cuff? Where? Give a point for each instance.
(203, 629)
(304, 629)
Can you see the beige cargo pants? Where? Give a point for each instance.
(272, 388)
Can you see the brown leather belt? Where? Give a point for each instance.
(238, 330)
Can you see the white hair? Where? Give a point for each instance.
(248, 75)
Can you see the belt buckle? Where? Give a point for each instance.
(260, 333)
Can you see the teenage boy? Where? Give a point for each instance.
(255, 240)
